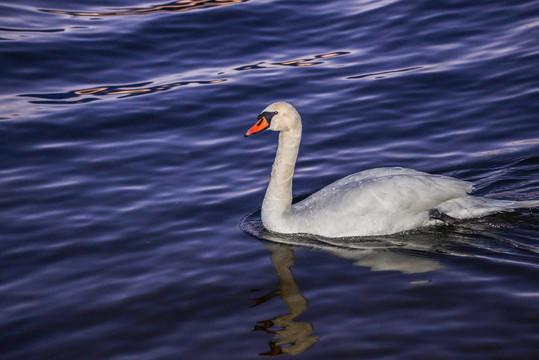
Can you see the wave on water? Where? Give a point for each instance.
(119, 91)
(176, 6)
(86, 95)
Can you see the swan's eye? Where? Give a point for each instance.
(275, 112)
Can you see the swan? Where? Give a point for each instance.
(379, 201)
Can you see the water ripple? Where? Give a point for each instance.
(85, 95)
(384, 74)
(176, 6)
(32, 30)
(310, 61)
(119, 91)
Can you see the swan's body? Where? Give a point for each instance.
(372, 202)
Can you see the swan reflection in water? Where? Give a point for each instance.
(294, 337)
(290, 336)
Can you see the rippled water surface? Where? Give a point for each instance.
(128, 194)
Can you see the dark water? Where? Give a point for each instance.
(124, 176)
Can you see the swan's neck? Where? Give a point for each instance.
(278, 199)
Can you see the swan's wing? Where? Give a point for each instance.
(378, 201)
(389, 192)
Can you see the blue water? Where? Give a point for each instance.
(128, 194)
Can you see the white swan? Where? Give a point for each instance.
(379, 201)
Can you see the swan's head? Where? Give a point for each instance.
(279, 116)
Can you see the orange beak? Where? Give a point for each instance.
(261, 124)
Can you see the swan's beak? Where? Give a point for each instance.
(261, 124)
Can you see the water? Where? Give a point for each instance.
(124, 176)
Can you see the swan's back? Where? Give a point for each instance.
(374, 202)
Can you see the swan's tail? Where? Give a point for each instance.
(473, 207)
(525, 204)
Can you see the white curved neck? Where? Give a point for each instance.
(278, 199)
